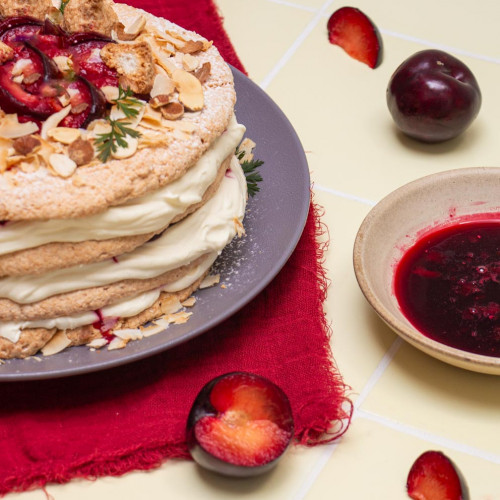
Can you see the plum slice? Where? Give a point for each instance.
(433, 476)
(240, 424)
(354, 31)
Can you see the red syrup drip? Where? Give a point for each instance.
(105, 325)
(448, 286)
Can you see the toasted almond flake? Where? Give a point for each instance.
(62, 164)
(136, 26)
(10, 128)
(64, 63)
(56, 344)
(190, 302)
(246, 147)
(20, 65)
(128, 151)
(128, 333)
(110, 92)
(179, 318)
(172, 110)
(240, 230)
(190, 89)
(163, 59)
(190, 63)
(18, 79)
(117, 343)
(97, 343)
(153, 329)
(64, 99)
(210, 280)
(53, 121)
(192, 46)
(163, 85)
(65, 135)
(203, 73)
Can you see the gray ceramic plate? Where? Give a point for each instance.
(274, 222)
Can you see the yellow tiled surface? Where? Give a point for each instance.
(406, 402)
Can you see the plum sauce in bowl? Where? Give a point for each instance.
(427, 259)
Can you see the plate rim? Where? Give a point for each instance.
(74, 370)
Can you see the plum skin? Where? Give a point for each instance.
(202, 407)
(433, 96)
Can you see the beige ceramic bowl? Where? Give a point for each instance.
(392, 226)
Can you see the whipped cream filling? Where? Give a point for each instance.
(139, 216)
(11, 330)
(207, 230)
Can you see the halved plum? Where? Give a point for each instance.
(240, 424)
(433, 476)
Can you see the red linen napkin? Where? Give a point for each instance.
(134, 416)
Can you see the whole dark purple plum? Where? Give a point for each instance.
(433, 96)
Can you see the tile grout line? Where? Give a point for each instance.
(295, 45)
(341, 194)
(428, 436)
(329, 449)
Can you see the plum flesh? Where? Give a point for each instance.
(240, 425)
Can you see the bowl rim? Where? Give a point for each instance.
(452, 355)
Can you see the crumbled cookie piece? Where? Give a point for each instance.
(33, 8)
(90, 15)
(6, 53)
(134, 63)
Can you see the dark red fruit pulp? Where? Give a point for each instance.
(433, 476)
(448, 286)
(105, 325)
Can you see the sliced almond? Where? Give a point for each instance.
(117, 343)
(190, 90)
(19, 66)
(56, 344)
(172, 110)
(210, 280)
(64, 135)
(203, 73)
(64, 63)
(136, 26)
(97, 343)
(163, 59)
(128, 151)
(163, 85)
(111, 93)
(190, 63)
(62, 164)
(18, 79)
(53, 121)
(191, 46)
(10, 128)
(128, 333)
(159, 101)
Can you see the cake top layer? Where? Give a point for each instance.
(92, 120)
